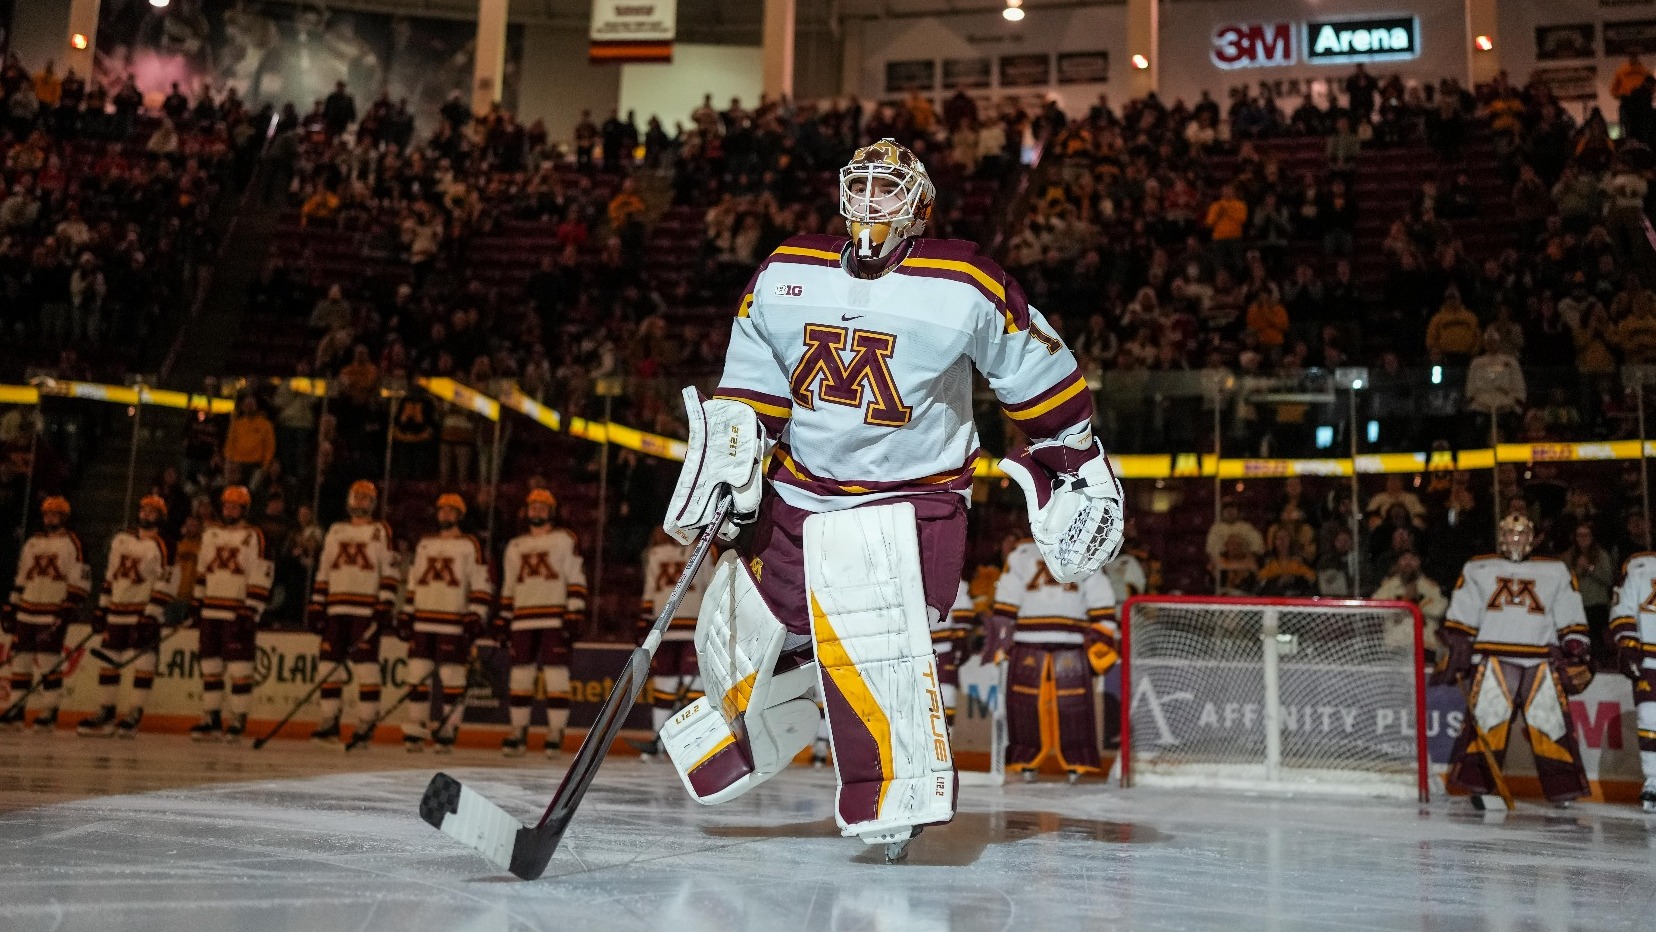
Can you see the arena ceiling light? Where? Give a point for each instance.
(1014, 11)
(160, 4)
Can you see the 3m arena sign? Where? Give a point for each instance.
(1315, 42)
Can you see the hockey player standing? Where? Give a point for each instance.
(1511, 619)
(1633, 625)
(1056, 637)
(854, 357)
(542, 592)
(675, 679)
(350, 607)
(140, 581)
(951, 641)
(51, 583)
(232, 585)
(446, 608)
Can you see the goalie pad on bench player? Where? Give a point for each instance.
(869, 619)
(753, 719)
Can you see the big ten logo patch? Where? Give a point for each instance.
(784, 290)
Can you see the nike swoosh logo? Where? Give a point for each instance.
(851, 317)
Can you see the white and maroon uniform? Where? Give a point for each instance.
(355, 589)
(449, 591)
(675, 676)
(232, 586)
(140, 581)
(867, 383)
(542, 588)
(52, 580)
(1050, 679)
(1516, 614)
(1633, 620)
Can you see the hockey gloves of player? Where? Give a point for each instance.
(1630, 658)
(726, 445)
(8, 618)
(316, 617)
(1458, 662)
(405, 626)
(1075, 503)
(100, 620)
(997, 638)
(1101, 649)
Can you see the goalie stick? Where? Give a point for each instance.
(465, 815)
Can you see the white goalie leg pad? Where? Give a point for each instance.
(879, 674)
(1545, 711)
(753, 720)
(1493, 707)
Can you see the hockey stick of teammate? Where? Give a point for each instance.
(1495, 775)
(100, 655)
(373, 632)
(23, 699)
(465, 815)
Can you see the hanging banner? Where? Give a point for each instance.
(633, 31)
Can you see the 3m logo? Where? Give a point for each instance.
(536, 563)
(129, 569)
(1516, 592)
(44, 566)
(439, 571)
(790, 291)
(353, 553)
(845, 383)
(1253, 45)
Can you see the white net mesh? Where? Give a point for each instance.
(1302, 695)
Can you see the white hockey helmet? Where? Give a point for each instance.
(885, 197)
(1515, 537)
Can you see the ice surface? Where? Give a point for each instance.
(336, 850)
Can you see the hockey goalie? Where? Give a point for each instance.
(850, 366)
(1633, 625)
(1516, 626)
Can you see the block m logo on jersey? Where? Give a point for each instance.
(44, 566)
(1649, 603)
(536, 563)
(842, 383)
(1511, 592)
(225, 560)
(668, 575)
(439, 571)
(129, 568)
(353, 553)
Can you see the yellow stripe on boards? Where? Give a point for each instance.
(837, 663)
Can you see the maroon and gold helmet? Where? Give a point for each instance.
(885, 197)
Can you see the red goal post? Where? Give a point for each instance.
(1275, 695)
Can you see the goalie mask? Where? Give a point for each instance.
(885, 197)
(1515, 538)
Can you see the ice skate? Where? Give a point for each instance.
(327, 732)
(234, 728)
(819, 753)
(12, 719)
(1030, 776)
(1074, 777)
(443, 744)
(647, 750)
(101, 725)
(46, 721)
(127, 727)
(208, 728)
(514, 744)
(1648, 797)
(553, 747)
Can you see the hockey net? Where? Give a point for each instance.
(1285, 695)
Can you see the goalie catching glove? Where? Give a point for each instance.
(727, 444)
(1075, 503)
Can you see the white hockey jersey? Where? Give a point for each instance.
(447, 583)
(233, 572)
(1048, 611)
(1127, 576)
(663, 565)
(957, 625)
(52, 576)
(356, 574)
(140, 581)
(1633, 611)
(542, 578)
(868, 382)
(1516, 610)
